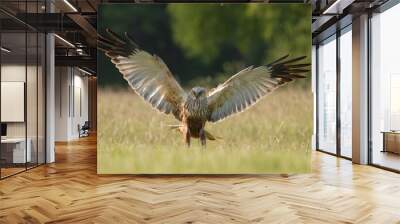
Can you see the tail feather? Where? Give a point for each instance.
(209, 136)
(174, 126)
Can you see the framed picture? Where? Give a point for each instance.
(204, 88)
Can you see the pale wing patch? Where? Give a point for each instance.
(147, 74)
(248, 86)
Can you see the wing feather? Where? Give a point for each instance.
(248, 86)
(146, 74)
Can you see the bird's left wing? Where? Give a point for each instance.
(147, 74)
(248, 86)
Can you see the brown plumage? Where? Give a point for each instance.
(152, 80)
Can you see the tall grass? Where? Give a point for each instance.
(271, 137)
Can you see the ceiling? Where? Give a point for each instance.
(330, 15)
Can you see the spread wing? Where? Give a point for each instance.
(147, 74)
(248, 86)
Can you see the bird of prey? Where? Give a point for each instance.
(151, 79)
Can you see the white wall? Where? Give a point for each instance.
(71, 102)
(62, 81)
(16, 73)
(80, 109)
(12, 73)
(33, 126)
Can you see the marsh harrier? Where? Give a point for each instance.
(151, 79)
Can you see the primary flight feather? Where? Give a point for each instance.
(151, 79)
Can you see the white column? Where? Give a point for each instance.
(50, 110)
(50, 93)
(360, 90)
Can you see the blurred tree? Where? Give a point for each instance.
(253, 34)
(149, 26)
(286, 28)
(209, 42)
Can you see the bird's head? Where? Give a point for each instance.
(198, 92)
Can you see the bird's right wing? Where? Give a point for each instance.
(248, 86)
(146, 74)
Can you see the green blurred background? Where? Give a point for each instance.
(204, 44)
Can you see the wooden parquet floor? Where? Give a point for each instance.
(70, 191)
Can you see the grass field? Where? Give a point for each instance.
(273, 136)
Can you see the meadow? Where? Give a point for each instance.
(274, 136)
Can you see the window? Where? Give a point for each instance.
(385, 88)
(345, 92)
(327, 95)
(394, 102)
(22, 78)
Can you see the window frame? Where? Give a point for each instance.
(31, 30)
(339, 32)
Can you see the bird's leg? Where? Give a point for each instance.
(202, 137)
(187, 135)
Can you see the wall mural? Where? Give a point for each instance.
(204, 88)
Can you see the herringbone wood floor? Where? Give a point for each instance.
(70, 191)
